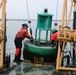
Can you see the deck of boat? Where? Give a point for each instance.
(31, 69)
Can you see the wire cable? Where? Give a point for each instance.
(27, 9)
(29, 21)
(56, 13)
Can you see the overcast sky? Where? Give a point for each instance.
(18, 8)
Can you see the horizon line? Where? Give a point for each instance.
(30, 19)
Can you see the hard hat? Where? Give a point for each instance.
(25, 25)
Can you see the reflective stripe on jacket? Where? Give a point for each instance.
(22, 33)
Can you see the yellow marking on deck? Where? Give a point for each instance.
(38, 65)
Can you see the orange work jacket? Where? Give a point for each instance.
(22, 33)
(54, 36)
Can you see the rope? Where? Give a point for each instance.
(56, 10)
(29, 21)
(28, 11)
(56, 14)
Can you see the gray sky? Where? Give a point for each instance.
(18, 9)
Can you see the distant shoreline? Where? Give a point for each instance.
(27, 20)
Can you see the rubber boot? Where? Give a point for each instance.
(16, 60)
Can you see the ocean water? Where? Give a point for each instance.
(13, 26)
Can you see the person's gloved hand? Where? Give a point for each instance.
(31, 39)
(53, 43)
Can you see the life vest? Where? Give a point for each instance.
(54, 36)
(22, 33)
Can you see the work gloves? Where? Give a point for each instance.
(53, 43)
(31, 39)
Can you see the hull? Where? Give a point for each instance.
(30, 51)
(39, 50)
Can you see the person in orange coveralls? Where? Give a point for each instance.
(20, 36)
(54, 37)
(54, 41)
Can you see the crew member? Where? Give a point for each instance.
(22, 33)
(54, 37)
(54, 41)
